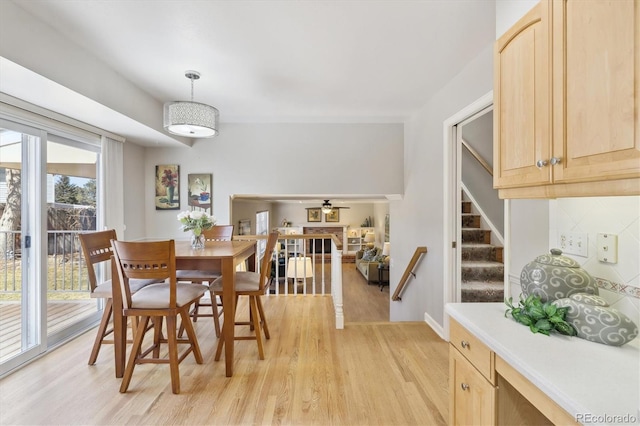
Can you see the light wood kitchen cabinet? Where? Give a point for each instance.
(567, 102)
(486, 390)
(472, 396)
(521, 102)
(596, 76)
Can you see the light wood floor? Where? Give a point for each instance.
(369, 373)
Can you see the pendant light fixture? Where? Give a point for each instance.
(191, 119)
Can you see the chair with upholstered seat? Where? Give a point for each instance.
(216, 233)
(96, 249)
(253, 285)
(168, 300)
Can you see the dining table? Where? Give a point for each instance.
(218, 256)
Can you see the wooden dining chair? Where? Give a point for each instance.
(253, 285)
(166, 301)
(216, 233)
(96, 249)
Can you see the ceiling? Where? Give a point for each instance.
(337, 61)
(281, 61)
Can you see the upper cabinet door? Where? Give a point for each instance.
(596, 85)
(522, 144)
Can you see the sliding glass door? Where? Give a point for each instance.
(47, 196)
(20, 297)
(71, 209)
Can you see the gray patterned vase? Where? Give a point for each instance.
(595, 321)
(554, 276)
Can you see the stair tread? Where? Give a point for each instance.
(483, 284)
(479, 245)
(482, 263)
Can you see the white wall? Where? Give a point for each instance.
(418, 219)
(286, 159)
(620, 282)
(380, 210)
(509, 11)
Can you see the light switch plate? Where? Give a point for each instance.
(607, 248)
(574, 243)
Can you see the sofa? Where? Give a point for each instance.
(367, 262)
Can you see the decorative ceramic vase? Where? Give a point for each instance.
(197, 241)
(554, 276)
(596, 321)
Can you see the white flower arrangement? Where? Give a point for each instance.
(196, 221)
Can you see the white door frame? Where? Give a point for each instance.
(451, 198)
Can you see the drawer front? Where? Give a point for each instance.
(480, 356)
(472, 398)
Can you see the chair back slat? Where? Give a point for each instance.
(153, 260)
(218, 233)
(96, 248)
(265, 269)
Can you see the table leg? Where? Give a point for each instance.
(119, 323)
(229, 303)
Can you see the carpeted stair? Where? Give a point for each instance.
(482, 270)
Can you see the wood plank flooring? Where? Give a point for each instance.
(369, 373)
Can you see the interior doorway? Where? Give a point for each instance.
(457, 129)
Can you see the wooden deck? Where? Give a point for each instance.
(60, 314)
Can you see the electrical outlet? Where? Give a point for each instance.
(607, 248)
(574, 243)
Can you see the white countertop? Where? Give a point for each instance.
(591, 381)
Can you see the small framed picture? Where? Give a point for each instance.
(199, 191)
(313, 215)
(334, 216)
(167, 195)
(244, 227)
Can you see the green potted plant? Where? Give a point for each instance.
(538, 316)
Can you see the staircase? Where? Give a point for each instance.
(482, 268)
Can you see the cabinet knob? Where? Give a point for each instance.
(555, 160)
(464, 386)
(541, 163)
(464, 344)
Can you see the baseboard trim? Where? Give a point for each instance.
(434, 325)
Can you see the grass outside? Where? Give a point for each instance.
(66, 279)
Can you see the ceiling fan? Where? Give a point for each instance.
(327, 207)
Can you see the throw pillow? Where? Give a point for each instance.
(369, 255)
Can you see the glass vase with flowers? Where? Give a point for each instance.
(195, 222)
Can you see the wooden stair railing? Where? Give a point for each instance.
(409, 271)
(485, 165)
